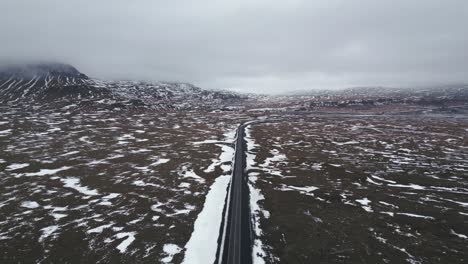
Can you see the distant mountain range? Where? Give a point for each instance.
(52, 83)
(49, 84)
(455, 90)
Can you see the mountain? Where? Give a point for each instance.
(40, 70)
(53, 83)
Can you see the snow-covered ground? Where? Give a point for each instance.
(203, 243)
(258, 253)
(115, 186)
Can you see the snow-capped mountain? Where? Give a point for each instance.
(40, 70)
(60, 82)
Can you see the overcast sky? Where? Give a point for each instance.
(246, 45)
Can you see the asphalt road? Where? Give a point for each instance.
(238, 237)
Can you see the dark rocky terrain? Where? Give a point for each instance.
(361, 188)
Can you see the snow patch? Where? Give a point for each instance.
(258, 253)
(159, 162)
(202, 245)
(306, 190)
(192, 174)
(457, 234)
(170, 250)
(410, 186)
(44, 172)
(16, 166)
(74, 183)
(416, 215)
(30, 204)
(122, 247)
(365, 204)
(47, 232)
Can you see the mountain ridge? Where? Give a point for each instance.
(48, 83)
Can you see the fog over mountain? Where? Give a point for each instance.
(249, 46)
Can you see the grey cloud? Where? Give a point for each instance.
(256, 45)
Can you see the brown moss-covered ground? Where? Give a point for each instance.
(387, 189)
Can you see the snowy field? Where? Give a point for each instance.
(150, 187)
(368, 189)
(111, 186)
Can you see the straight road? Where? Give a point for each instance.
(238, 236)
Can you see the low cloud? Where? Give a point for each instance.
(255, 46)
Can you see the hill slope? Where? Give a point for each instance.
(52, 83)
